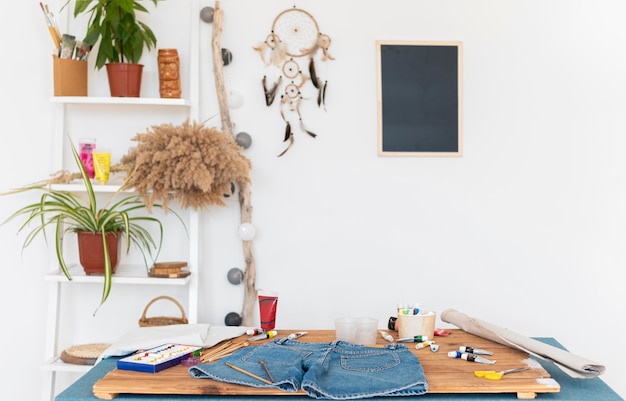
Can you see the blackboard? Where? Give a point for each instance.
(419, 98)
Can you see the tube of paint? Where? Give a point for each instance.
(476, 358)
(268, 303)
(67, 46)
(299, 334)
(472, 350)
(455, 354)
(423, 344)
(85, 148)
(264, 336)
(416, 339)
(102, 165)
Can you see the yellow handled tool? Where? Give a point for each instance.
(493, 375)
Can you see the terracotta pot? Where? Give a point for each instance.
(124, 79)
(91, 251)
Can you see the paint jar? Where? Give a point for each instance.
(366, 330)
(422, 324)
(345, 329)
(268, 303)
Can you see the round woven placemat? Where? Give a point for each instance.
(83, 354)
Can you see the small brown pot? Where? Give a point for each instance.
(124, 79)
(91, 251)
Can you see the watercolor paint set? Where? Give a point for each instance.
(158, 358)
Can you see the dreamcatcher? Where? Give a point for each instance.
(295, 40)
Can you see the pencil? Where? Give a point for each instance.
(245, 372)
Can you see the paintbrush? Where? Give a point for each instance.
(245, 372)
(214, 356)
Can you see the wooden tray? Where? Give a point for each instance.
(444, 374)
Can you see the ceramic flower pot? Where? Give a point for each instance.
(91, 251)
(124, 79)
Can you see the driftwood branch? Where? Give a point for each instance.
(250, 294)
(218, 70)
(249, 276)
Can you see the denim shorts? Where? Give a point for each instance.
(338, 370)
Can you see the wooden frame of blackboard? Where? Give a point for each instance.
(419, 98)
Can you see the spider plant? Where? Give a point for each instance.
(66, 211)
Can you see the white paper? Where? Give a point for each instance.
(202, 335)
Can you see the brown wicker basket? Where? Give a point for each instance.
(162, 320)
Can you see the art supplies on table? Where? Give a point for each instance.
(158, 358)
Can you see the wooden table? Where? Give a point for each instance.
(445, 375)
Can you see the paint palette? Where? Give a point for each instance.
(158, 358)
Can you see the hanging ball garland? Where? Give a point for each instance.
(227, 56)
(235, 276)
(232, 319)
(232, 190)
(246, 231)
(243, 139)
(206, 14)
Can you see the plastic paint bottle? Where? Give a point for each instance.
(268, 303)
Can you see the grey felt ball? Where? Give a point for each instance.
(243, 139)
(227, 56)
(232, 319)
(235, 276)
(206, 14)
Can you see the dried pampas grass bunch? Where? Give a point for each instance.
(194, 164)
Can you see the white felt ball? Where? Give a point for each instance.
(246, 231)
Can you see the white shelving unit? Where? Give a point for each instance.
(132, 275)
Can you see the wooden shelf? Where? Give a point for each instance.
(120, 101)
(81, 116)
(125, 274)
(57, 365)
(113, 185)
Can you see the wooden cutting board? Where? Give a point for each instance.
(444, 374)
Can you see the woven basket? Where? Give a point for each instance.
(162, 320)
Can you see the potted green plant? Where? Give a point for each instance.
(123, 39)
(78, 212)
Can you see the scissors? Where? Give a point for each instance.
(493, 375)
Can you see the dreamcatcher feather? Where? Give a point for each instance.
(272, 51)
(270, 93)
(294, 40)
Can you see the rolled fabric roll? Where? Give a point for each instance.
(574, 365)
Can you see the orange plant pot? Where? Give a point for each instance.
(124, 79)
(91, 251)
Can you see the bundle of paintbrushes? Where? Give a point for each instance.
(66, 45)
(221, 351)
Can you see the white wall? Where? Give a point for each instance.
(525, 230)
